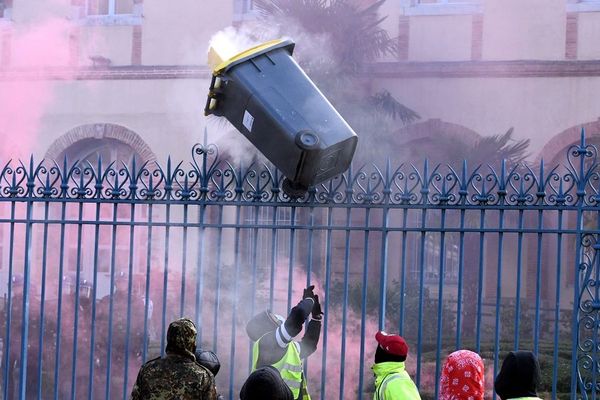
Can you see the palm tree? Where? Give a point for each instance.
(340, 39)
(486, 151)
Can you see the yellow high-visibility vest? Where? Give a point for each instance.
(290, 368)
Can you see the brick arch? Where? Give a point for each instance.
(100, 131)
(434, 127)
(556, 148)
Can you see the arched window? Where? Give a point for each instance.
(91, 238)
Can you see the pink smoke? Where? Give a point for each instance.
(28, 92)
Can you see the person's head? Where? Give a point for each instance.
(121, 281)
(208, 360)
(462, 377)
(69, 283)
(265, 384)
(390, 348)
(181, 337)
(519, 376)
(263, 323)
(17, 281)
(86, 294)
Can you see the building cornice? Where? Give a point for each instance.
(137, 72)
(486, 69)
(434, 69)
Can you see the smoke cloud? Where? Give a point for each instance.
(24, 101)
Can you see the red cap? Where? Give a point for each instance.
(393, 344)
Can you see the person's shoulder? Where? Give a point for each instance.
(150, 364)
(205, 371)
(202, 377)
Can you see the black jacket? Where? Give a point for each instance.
(270, 345)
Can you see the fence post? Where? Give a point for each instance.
(584, 266)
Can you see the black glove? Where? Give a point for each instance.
(309, 293)
(317, 313)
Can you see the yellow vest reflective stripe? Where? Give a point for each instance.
(290, 368)
(407, 390)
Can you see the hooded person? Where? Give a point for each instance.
(274, 345)
(519, 376)
(210, 361)
(177, 375)
(462, 377)
(265, 384)
(391, 379)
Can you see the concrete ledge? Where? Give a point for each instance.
(588, 6)
(435, 69)
(110, 73)
(491, 69)
(444, 9)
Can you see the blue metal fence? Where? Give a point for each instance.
(96, 260)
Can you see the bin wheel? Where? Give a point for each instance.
(292, 189)
(307, 140)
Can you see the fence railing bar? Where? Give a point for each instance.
(292, 258)
(6, 347)
(232, 363)
(274, 256)
(403, 273)
(555, 367)
(345, 304)
(165, 278)
(384, 269)
(183, 261)
(43, 300)
(442, 269)
(480, 281)
(538, 284)
(253, 258)
(147, 284)
(309, 266)
(596, 295)
(499, 295)
(461, 268)
(363, 311)
(113, 258)
(518, 286)
(25, 311)
(129, 294)
(421, 295)
(574, 323)
(59, 305)
(592, 206)
(219, 266)
(94, 305)
(76, 314)
(200, 274)
(326, 305)
(286, 227)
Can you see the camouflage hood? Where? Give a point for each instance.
(181, 338)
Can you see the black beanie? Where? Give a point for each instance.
(265, 384)
(383, 356)
(519, 376)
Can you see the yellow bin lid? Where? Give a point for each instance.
(251, 53)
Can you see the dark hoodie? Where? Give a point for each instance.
(519, 376)
(177, 375)
(265, 384)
